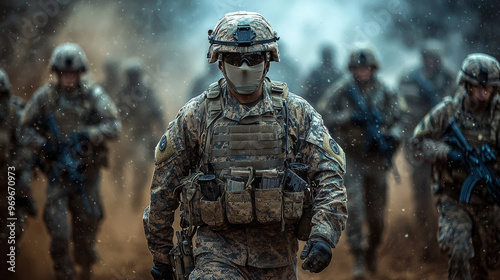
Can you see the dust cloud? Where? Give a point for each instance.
(171, 38)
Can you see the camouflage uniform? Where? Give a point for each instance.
(422, 89)
(321, 77)
(197, 141)
(365, 180)
(89, 110)
(468, 232)
(13, 158)
(140, 112)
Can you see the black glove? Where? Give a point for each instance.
(161, 271)
(455, 158)
(316, 255)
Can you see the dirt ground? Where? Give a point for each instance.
(124, 254)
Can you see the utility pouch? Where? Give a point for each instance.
(268, 198)
(213, 210)
(191, 199)
(213, 213)
(293, 205)
(238, 195)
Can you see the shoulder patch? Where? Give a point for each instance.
(423, 126)
(333, 149)
(164, 149)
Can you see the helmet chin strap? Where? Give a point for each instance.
(231, 84)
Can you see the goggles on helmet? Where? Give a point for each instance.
(237, 59)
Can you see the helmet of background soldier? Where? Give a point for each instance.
(68, 57)
(4, 82)
(432, 48)
(363, 54)
(133, 69)
(242, 32)
(479, 69)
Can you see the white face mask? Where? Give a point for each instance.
(244, 79)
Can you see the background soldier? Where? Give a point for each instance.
(321, 77)
(141, 115)
(70, 122)
(15, 177)
(238, 139)
(112, 81)
(369, 158)
(469, 231)
(422, 89)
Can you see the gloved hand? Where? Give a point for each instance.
(455, 158)
(161, 271)
(316, 255)
(51, 150)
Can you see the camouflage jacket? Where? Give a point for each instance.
(420, 94)
(246, 245)
(90, 111)
(478, 128)
(337, 110)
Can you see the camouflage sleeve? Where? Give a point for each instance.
(426, 142)
(176, 152)
(32, 119)
(332, 106)
(108, 125)
(327, 161)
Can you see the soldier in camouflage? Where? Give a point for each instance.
(141, 114)
(468, 232)
(321, 77)
(86, 118)
(15, 177)
(422, 89)
(241, 134)
(366, 181)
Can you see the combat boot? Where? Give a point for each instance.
(359, 271)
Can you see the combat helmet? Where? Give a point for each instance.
(479, 69)
(68, 57)
(363, 54)
(432, 48)
(4, 81)
(133, 67)
(242, 32)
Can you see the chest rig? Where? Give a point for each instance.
(241, 177)
(70, 113)
(478, 130)
(256, 141)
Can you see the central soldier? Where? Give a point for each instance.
(253, 168)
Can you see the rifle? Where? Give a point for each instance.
(426, 87)
(67, 164)
(478, 164)
(373, 120)
(181, 255)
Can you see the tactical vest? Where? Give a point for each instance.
(247, 160)
(74, 115)
(477, 134)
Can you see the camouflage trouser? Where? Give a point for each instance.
(470, 235)
(366, 192)
(61, 199)
(212, 267)
(421, 180)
